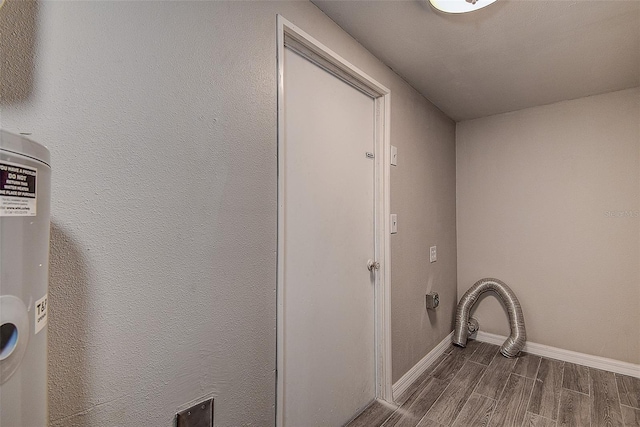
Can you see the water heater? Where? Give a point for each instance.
(25, 177)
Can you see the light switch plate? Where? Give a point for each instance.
(433, 255)
(394, 223)
(394, 156)
(199, 415)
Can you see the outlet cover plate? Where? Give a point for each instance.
(199, 415)
(433, 254)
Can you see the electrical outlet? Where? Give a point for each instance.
(433, 254)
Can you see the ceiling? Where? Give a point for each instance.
(505, 57)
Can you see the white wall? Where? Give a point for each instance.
(549, 202)
(161, 121)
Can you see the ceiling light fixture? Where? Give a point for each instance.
(460, 6)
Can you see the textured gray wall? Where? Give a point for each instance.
(423, 189)
(549, 202)
(161, 121)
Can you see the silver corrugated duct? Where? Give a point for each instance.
(518, 337)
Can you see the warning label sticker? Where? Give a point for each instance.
(41, 313)
(18, 195)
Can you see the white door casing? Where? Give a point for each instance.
(327, 228)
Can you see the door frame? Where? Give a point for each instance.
(290, 35)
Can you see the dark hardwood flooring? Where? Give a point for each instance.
(477, 386)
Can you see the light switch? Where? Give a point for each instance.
(394, 223)
(394, 156)
(433, 255)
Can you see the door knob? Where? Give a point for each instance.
(373, 265)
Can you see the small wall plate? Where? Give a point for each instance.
(199, 415)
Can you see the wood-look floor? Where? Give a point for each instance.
(477, 386)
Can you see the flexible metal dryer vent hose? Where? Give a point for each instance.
(518, 337)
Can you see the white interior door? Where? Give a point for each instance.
(329, 327)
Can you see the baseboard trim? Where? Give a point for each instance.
(412, 374)
(584, 359)
(597, 362)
